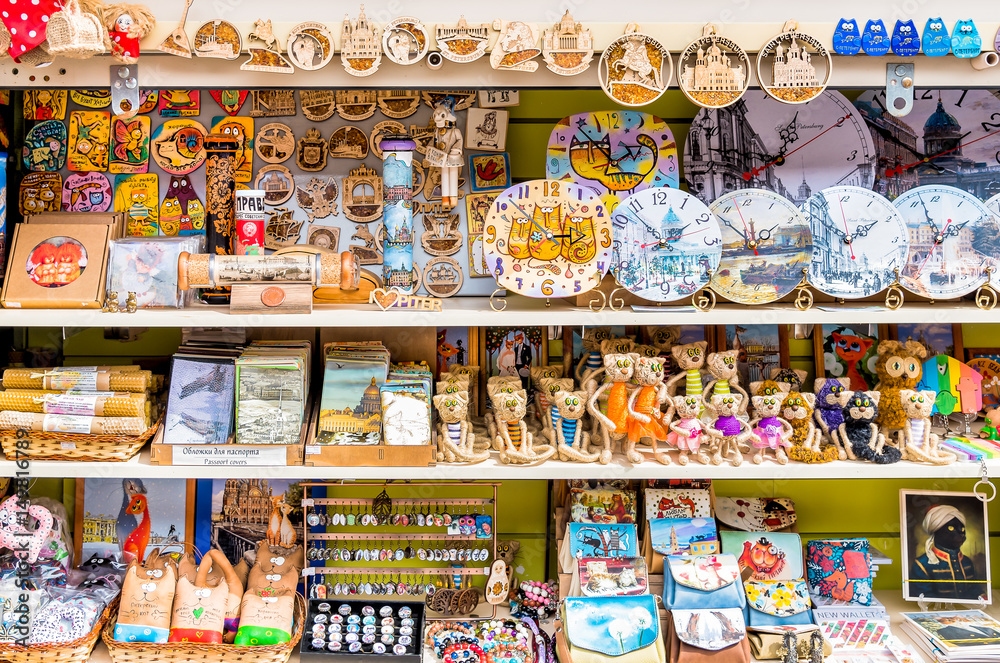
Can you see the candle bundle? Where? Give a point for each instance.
(111, 404)
(89, 378)
(67, 423)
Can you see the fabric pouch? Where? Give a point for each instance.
(840, 569)
(755, 514)
(699, 582)
(602, 505)
(684, 536)
(697, 636)
(765, 555)
(678, 503)
(221, 568)
(147, 598)
(625, 629)
(199, 607)
(613, 577)
(777, 603)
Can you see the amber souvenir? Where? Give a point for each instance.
(360, 45)
(441, 236)
(635, 69)
(370, 251)
(45, 146)
(182, 212)
(324, 237)
(348, 143)
(567, 47)
(793, 67)
(218, 39)
(363, 195)
(489, 172)
(398, 103)
(179, 103)
(463, 98)
(267, 58)
(318, 105)
(178, 146)
(282, 229)
(136, 197)
(176, 43)
(713, 71)
(241, 130)
(129, 145)
(382, 129)
(463, 42)
(276, 182)
(516, 47)
(311, 154)
(486, 129)
(356, 105)
(87, 192)
(41, 192)
(274, 142)
(443, 277)
(310, 46)
(45, 104)
(272, 103)
(318, 198)
(405, 40)
(89, 140)
(229, 100)
(91, 98)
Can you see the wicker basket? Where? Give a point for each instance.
(76, 651)
(73, 33)
(74, 446)
(193, 652)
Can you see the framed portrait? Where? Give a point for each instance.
(513, 351)
(848, 351)
(945, 546)
(938, 339)
(986, 362)
(760, 349)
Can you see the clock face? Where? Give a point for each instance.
(666, 244)
(943, 223)
(766, 245)
(859, 241)
(987, 239)
(545, 238)
(792, 150)
(615, 153)
(955, 130)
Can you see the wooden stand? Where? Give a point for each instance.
(271, 298)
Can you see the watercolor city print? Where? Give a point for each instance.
(108, 527)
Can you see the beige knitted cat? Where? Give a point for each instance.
(513, 437)
(456, 441)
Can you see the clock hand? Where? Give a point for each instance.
(899, 170)
(847, 236)
(672, 238)
(862, 231)
(735, 229)
(765, 234)
(781, 158)
(548, 233)
(927, 214)
(937, 241)
(751, 242)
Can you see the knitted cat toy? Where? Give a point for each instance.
(687, 431)
(540, 408)
(570, 440)
(916, 441)
(797, 409)
(646, 422)
(861, 434)
(592, 358)
(793, 376)
(723, 367)
(831, 397)
(613, 426)
(513, 437)
(898, 367)
(456, 441)
(498, 384)
(770, 430)
(728, 431)
(547, 389)
(690, 359)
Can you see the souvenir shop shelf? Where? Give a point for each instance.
(227, 455)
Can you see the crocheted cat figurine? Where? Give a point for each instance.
(860, 433)
(498, 384)
(646, 423)
(690, 359)
(571, 441)
(513, 437)
(770, 430)
(592, 358)
(898, 367)
(613, 424)
(831, 397)
(456, 441)
(14, 534)
(728, 431)
(793, 376)
(547, 389)
(723, 367)
(541, 402)
(687, 432)
(797, 409)
(916, 441)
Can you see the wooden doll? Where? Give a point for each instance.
(618, 372)
(770, 430)
(448, 153)
(646, 422)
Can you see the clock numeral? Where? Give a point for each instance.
(992, 124)
(962, 98)
(519, 282)
(729, 208)
(935, 199)
(606, 241)
(713, 241)
(927, 94)
(854, 155)
(636, 205)
(551, 188)
(702, 218)
(546, 287)
(522, 192)
(685, 202)
(576, 286)
(491, 234)
(659, 198)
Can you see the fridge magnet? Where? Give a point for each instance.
(463, 99)
(498, 98)
(89, 139)
(965, 39)
(380, 130)
(360, 45)
(274, 142)
(635, 69)
(875, 39)
(93, 99)
(272, 103)
(310, 46)
(443, 276)
(324, 237)
(40, 192)
(266, 58)
(311, 153)
(567, 47)
(398, 103)
(370, 251)
(847, 38)
(905, 39)
(45, 146)
(276, 182)
(486, 129)
(229, 100)
(282, 229)
(136, 197)
(127, 25)
(463, 42)
(405, 40)
(176, 43)
(239, 129)
(936, 41)
(441, 236)
(179, 103)
(348, 143)
(356, 105)
(318, 105)
(182, 212)
(516, 47)
(148, 101)
(363, 195)
(489, 172)
(178, 146)
(713, 71)
(86, 192)
(45, 104)
(794, 67)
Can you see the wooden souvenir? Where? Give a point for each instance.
(136, 197)
(793, 67)
(380, 130)
(218, 39)
(89, 140)
(176, 43)
(398, 103)
(371, 252)
(363, 195)
(441, 236)
(477, 208)
(241, 129)
(499, 98)
(129, 145)
(318, 105)
(45, 146)
(220, 198)
(360, 45)
(282, 229)
(432, 187)
(635, 69)
(348, 143)
(276, 182)
(489, 172)
(179, 103)
(567, 47)
(463, 42)
(419, 178)
(393, 298)
(267, 58)
(311, 153)
(462, 99)
(40, 192)
(272, 103)
(310, 46)
(516, 47)
(486, 129)
(229, 100)
(182, 212)
(274, 142)
(76, 33)
(148, 101)
(713, 71)
(324, 237)
(355, 105)
(445, 152)
(127, 25)
(45, 104)
(443, 277)
(318, 197)
(178, 146)
(405, 40)
(86, 192)
(91, 98)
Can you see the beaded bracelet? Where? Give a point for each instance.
(508, 653)
(464, 653)
(435, 627)
(539, 642)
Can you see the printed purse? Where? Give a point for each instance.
(772, 604)
(699, 582)
(613, 577)
(755, 514)
(602, 506)
(619, 628)
(840, 569)
(765, 555)
(589, 540)
(698, 636)
(684, 536)
(678, 503)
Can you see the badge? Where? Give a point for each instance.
(311, 157)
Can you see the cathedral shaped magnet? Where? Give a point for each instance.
(713, 71)
(360, 45)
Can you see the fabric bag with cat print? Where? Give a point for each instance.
(269, 601)
(200, 606)
(147, 599)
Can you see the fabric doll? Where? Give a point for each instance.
(690, 359)
(570, 440)
(456, 441)
(723, 368)
(127, 24)
(592, 360)
(513, 437)
(831, 397)
(861, 435)
(687, 432)
(729, 432)
(646, 422)
(798, 409)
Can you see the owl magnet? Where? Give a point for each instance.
(45, 147)
(965, 40)
(129, 145)
(937, 41)
(875, 39)
(905, 39)
(182, 212)
(86, 192)
(135, 197)
(241, 129)
(178, 146)
(89, 139)
(847, 37)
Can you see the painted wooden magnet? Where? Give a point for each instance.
(794, 67)
(93, 99)
(129, 145)
(486, 129)
(463, 42)
(498, 98)
(136, 197)
(405, 40)
(267, 58)
(45, 147)
(443, 277)
(40, 192)
(398, 104)
(348, 143)
(310, 46)
(89, 140)
(713, 71)
(489, 172)
(363, 198)
(318, 198)
(178, 146)
(218, 39)
(318, 105)
(179, 103)
(229, 100)
(567, 47)
(276, 182)
(965, 39)
(274, 142)
(360, 45)
(356, 105)
(45, 104)
(182, 212)
(87, 192)
(905, 39)
(635, 69)
(517, 46)
(936, 40)
(239, 129)
(875, 39)
(311, 153)
(177, 43)
(847, 37)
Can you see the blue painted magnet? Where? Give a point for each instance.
(965, 40)
(905, 39)
(875, 39)
(937, 41)
(847, 38)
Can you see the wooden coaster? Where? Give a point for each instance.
(276, 182)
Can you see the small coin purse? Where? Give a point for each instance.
(702, 582)
(602, 505)
(699, 636)
(840, 569)
(776, 603)
(625, 629)
(755, 514)
(624, 576)
(678, 503)
(766, 555)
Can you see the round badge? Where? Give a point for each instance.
(178, 146)
(635, 69)
(278, 186)
(405, 40)
(310, 46)
(442, 278)
(713, 71)
(405, 611)
(793, 67)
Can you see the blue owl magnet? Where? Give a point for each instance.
(847, 38)
(965, 40)
(937, 41)
(875, 39)
(905, 39)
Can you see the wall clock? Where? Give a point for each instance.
(666, 244)
(761, 143)
(859, 241)
(766, 245)
(545, 238)
(615, 153)
(987, 240)
(944, 226)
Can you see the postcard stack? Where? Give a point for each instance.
(272, 386)
(406, 404)
(351, 402)
(954, 636)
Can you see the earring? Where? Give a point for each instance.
(816, 647)
(789, 651)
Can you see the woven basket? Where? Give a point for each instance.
(74, 446)
(73, 33)
(76, 651)
(193, 652)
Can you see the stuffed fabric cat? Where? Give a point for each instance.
(147, 599)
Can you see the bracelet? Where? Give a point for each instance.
(462, 652)
(508, 653)
(436, 627)
(540, 642)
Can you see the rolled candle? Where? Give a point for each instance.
(67, 423)
(206, 270)
(65, 379)
(101, 405)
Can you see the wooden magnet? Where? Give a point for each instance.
(176, 43)
(463, 98)
(317, 197)
(272, 103)
(45, 104)
(443, 277)
(489, 172)
(40, 192)
(318, 105)
(182, 212)
(486, 129)
(441, 236)
(148, 101)
(463, 42)
(348, 143)
(360, 45)
(516, 47)
(89, 141)
(229, 100)
(129, 145)
(405, 40)
(267, 58)
(178, 146)
(274, 142)
(179, 103)
(136, 196)
(93, 99)
(793, 67)
(567, 47)
(370, 251)
(324, 237)
(282, 229)
(87, 192)
(239, 129)
(218, 39)
(398, 103)
(355, 105)
(380, 130)
(363, 195)
(311, 154)
(499, 98)
(45, 146)
(310, 46)
(276, 182)
(635, 69)
(713, 71)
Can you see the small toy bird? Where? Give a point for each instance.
(847, 38)
(875, 39)
(135, 544)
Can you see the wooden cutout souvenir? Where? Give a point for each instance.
(419, 178)
(516, 47)
(148, 101)
(486, 129)
(793, 67)
(463, 42)
(318, 105)
(489, 172)
(360, 45)
(363, 195)
(178, 146)
(477, 262)
(443, 277)
(229, 100)
(405, 40)
(348, 143)
(94, 99)
(713, 71)
(635, 69)
(384, 128)
(272, 103)
(441, 236)
(371, 252)
(276, 182)
(398, 103)
(282, 229)
(45, 146)
(180, 103)
(310, 46)
(463, 99)
(136, 197)
(324, 237)
(218, 39)
(267, 58)
(182, 212)
(41, 192)
(274, 143)
(127, 25)
(311, 153)
(87, 192)
(89, 140)
(241, 130)
(567, 47)
(445, 153)
(176, 43)
(499, 98)
(129, 145)
(355, 105)
(45, 104)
